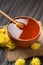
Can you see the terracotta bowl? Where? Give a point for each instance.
(21, 42)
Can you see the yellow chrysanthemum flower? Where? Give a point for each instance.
(20, 61)
(35, 46)
(5, 40)
(35, 61)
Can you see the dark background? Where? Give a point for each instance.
(14, 8)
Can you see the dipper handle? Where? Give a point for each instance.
(7, 17)
(18, 24)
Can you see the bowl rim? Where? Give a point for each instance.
(25, 39)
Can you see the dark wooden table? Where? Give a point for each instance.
(14, 8)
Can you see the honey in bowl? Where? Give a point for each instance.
(29, 33)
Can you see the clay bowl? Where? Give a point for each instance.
(13, 32)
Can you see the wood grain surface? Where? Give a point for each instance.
(14, 8)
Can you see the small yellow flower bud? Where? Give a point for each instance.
(35, 46)
(35, 61)
(20, 61)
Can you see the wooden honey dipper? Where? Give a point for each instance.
(18, 24)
